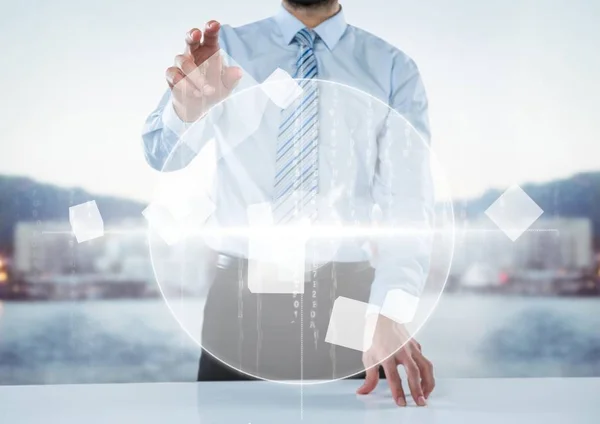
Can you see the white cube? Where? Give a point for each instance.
(291, 259)
(349, 325)
(202, 208)
(266, 278)
(172, 229)
(514, 212)
(86, 221)
(160, 220)
(186, 191)
(176, 201)
(260, 214)
(276, 264)
(400, 306)
(281, 88)
(245, 113)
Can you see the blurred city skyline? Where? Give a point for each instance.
(511, 86)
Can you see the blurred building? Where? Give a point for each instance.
(49, 262)
(549, 244)
(552, 248)
(5, 277)
(48, 247)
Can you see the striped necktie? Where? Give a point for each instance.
(297, 157)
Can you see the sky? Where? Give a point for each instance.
(512, 85)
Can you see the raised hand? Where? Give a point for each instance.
(199, 79)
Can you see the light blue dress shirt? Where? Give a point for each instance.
(355, 161)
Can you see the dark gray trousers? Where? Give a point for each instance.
(249, 336)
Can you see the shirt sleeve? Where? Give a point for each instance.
(403, 189)
(169, 143)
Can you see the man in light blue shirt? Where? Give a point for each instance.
(310, 40)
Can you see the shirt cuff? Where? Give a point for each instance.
(393, 301)
(172, 121)
(193, 134)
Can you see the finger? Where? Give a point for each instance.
(185, 89)
(212, 60)
(193, 74)
(183, 86)
(185, 63)
(427, 377)
(231, 76)
(393, 379)
(174, 75)
(193, 41)
(207, 54)
(414, 382)
(211, 34)
(371, 380)
(212, 68)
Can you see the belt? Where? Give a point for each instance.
(227, 262)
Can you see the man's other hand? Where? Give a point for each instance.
(384, 352)
(199, 79)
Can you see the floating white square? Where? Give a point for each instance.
(281, 88)
(260, 214)
(291, 261)
(268, 278)
(202, 208)
(400, 306)
(86, 221)
(160, 220)
(172, 229)
(176, 199)
(349, 326)
(276, 264)
(514, 212)
(245, 113)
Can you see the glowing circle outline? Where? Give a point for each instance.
(437, 297)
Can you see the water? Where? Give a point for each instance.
(139, 341)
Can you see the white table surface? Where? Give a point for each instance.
(511, 401)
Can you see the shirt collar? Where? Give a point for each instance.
(329, 31)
